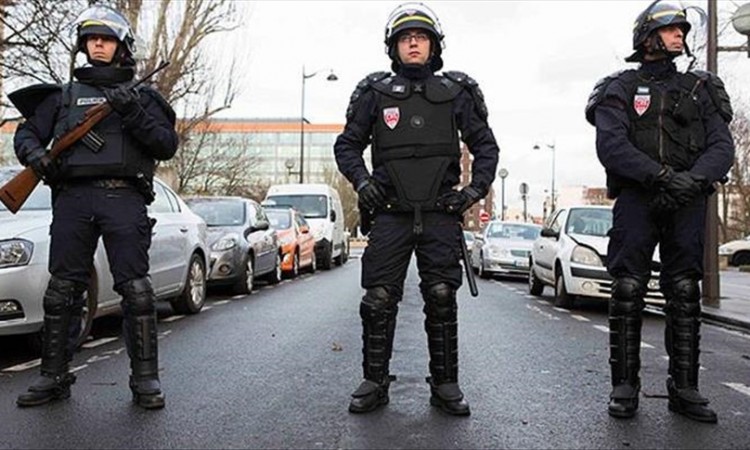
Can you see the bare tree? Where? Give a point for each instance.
(333, 178)
(736, 193)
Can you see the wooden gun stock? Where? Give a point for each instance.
(14, 193)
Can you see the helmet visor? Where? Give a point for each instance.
(412, 15)
(668, 13)
(100, 19)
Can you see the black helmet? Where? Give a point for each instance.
(659, 14)
(414, 15)
(103, 20)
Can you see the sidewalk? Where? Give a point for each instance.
(734, 301)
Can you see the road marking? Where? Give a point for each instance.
(544, 313)
(542, 302)
(76, 369)
(224, 302)
(739, 387)
(561, 310)
(530, 296)
(580, 318)
(115, 352)
(206, 308)
(99, 342)
(172, 319)
(734, 332)
(164, 334)
(646, 345)
(602, 328)
(24, 366)
(96, 358)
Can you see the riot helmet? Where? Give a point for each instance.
(414, 15)
(103, 20)
(658, 15)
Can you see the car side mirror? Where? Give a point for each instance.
(304, 229)
(549, 233)
(478, 236)
(260, 226)
(333, 215)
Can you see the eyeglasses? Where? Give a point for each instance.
(419, 37)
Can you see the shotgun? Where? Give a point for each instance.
(16, 191)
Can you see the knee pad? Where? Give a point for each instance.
(61, 294)
(440, 302)
(684, 298)
(137, 296)
(379, 300)
(627, 296)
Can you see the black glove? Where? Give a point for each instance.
(123, 99)
(457, 202)
(663, 202)
(682, 186)
(45, 168)
(371, 196)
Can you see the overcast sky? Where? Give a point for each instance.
(535, 61)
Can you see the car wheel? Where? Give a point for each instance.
(275, 276)
(536, 287)
(314, 264)
(245, 284)
(295, 266)
(741, 258)
(480, 270)
(326, 258)
(89, 311)
(193, 296)
(562, 298)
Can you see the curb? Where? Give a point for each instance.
(710, 317)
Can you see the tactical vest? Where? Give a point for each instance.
(108, 151)
(415, 137)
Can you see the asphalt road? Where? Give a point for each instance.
(275, 370)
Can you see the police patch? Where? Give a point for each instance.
(641, 102)
(88, 101)
(391, 116)
(398, 88)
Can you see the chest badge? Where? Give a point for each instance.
(88, 101)
(391, 116)
(642, 100)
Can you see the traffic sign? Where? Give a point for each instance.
(484, 216)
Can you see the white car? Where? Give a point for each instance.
(737, 252)
(177, 260)
(570, 253)
(503, 248)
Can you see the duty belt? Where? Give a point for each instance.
(106, 183)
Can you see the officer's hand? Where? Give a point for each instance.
(457, 202)
(45, 168)
(684, 188)
(663, 202)
(371, 196)
(122, 99)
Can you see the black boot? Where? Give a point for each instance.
(57, 352)
(378, 312)
(682, 338)
(442, 337)
(139, 329)
(625, 323)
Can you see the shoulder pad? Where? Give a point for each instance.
(597, 95)
(363, 86)
(156, 96)
(718, 93)
(440, 89)
(469, 83)
(27, 99)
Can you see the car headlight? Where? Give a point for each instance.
(224, 243)
(586, 256)
(15, 252)
(498, 252)
(724, 250)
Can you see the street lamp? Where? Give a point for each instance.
(331, 77)
(552, 192)
(741, 23)
(503, 173)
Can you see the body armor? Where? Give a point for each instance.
(108, 151)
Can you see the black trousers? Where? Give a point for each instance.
(392, 242)
(83, 213)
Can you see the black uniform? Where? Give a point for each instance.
(652, 124)
(413, 120)
(101, 188)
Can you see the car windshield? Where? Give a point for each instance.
(280, 219)
(311, 206)
(219, 213)
(591, 222)
(39, 200)
(513, 231)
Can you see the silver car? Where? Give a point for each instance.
(243, 246)
(178, 259)
(503, 248)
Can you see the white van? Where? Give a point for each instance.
(320, 204)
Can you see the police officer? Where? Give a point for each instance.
(663, 139)
(101, 187)
(412, 119)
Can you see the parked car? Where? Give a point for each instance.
(570, 254)
(243, 245)
(295, 240)
(178, 261)
(503, 248)
(737, 252)
(468, 240)
(321, 206)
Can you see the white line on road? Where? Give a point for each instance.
(164, 334)
(96, 358)
(739, 387)
(542, 302)
(530, 296)
(206, 308)
(224, 302)
(544, 313)
(580, 318)
(172, 319)
(99, 342)
(77, 368)
(646, 345)
(24, 366)
(602, 328)
(563, 310)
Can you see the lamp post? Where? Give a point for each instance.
(552, 191)
(741, 23)
(503, 174)
(331, 77)
(524, 189)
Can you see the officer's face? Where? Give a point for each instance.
(101, 47)
(414, 46)
(673, 38)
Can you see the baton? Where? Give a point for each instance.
(467, 266)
